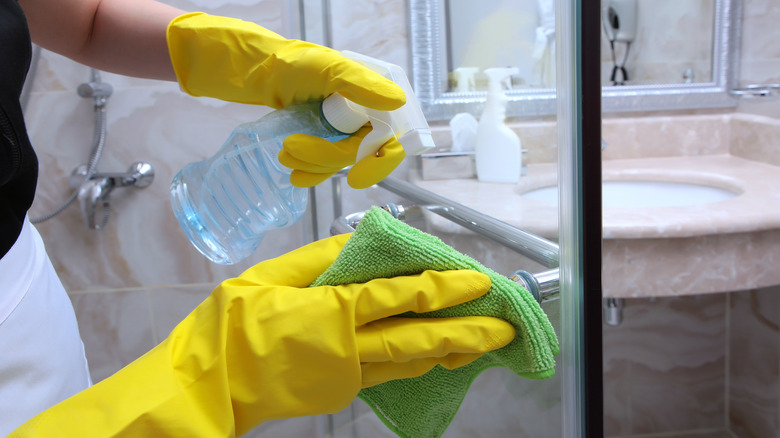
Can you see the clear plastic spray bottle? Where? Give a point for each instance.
(227, 203)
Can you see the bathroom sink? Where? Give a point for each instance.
(636, 193)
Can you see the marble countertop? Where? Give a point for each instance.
(756, 206)
(655, 251)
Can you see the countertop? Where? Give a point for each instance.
(757, 206)
(656, 251)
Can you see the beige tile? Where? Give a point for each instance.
(289, 428)
(115, 327)
(170, 305)
(755, 380)
(665, 366)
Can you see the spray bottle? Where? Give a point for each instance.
(464, 79)
(498, 156)
(227, 203)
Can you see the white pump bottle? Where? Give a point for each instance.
(498, 156)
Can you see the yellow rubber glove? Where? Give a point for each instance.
(263, 346)
(314, 159)
(239, 61)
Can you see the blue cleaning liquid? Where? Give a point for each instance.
(227, 203)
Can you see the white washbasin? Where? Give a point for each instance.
(645, 194)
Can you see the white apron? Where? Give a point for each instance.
(42, 359)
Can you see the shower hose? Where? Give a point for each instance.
(98, 142)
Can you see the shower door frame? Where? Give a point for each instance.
(578, 71)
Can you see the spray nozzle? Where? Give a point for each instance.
(497, 76)
(406, 123)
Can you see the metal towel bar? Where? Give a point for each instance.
(544, 286)
(530, 245)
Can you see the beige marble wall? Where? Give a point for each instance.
(664, 366)
(760, 57)
(704, 364)
(754, 343)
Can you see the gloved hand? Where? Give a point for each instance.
(314, 159)
(238, 61)
(263, 346)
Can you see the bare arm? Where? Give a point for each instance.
(120, 36)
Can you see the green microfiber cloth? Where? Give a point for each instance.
(423, 407)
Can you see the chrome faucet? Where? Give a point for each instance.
(94, 190)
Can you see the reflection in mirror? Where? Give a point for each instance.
(656, 54)
(656, 42)
(500, 33)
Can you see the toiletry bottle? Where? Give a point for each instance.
(227, 203)
(464, 78)
(498, 155)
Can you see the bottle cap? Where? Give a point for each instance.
(407, 123)
(341, 115)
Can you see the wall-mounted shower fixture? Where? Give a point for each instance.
(96, 89)
(620, 23)
(90, 187)
(93, 190)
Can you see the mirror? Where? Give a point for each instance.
(656, 54)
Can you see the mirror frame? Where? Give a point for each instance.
(426, 48)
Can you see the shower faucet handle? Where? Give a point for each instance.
(94, 189)
(139, 175)
(93, 199)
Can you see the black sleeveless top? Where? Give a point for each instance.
(18, 163)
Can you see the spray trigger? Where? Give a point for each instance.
(373, 141)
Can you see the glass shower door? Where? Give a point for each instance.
(557, 246)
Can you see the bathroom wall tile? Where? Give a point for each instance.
(755, 72)
(170, 305)
(540, 140)
(759, 19)
(754, 342)
(289, 428)
(355, 26)
(708, 433)
(116, 328)
(664, 136)
(490, 409)
(664, 366)
(358, 420)
(760, 56)
(755, 138)
(496, 397)
(617, 385)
